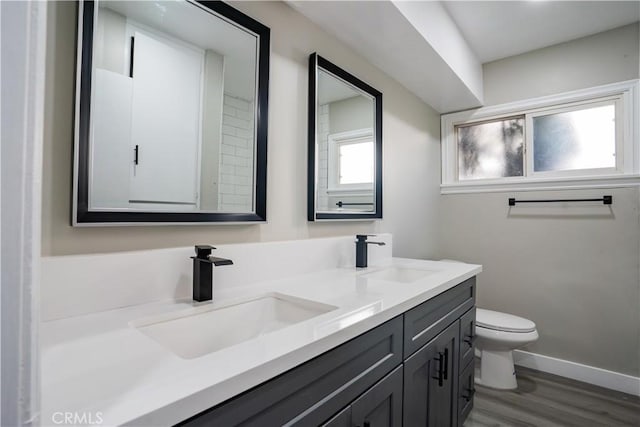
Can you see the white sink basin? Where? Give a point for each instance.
(399, 274)
(195, 332)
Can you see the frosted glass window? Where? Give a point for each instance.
(491, 149)
(356, 163)
(555, 141)
(582, 139)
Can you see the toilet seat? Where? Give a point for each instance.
(505, 322)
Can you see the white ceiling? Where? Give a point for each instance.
(436, 48)
(382, 34)
(498, 29)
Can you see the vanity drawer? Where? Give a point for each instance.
(313, 392)
(424, 322)
(467, 337)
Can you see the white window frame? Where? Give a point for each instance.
(625, 97)
(334, 142)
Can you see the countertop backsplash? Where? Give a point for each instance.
(81, 284)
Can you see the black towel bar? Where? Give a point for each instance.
(341, 204)
(606, 200)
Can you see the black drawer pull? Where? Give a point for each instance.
(470, 339)
(440, 377)
(446, 364)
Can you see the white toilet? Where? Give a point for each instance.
(498, 334)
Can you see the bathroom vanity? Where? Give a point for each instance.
(294, 335)
(412, 370)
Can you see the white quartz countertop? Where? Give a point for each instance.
(100, 367)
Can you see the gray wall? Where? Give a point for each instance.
(411, 150)
(351, 114)
(611, 56)
(573, 269)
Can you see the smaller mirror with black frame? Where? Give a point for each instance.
(345, 145)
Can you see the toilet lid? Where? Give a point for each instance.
(503, 322)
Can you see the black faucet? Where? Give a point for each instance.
(203, 264)
(361, 248)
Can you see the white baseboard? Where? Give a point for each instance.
(588, 374)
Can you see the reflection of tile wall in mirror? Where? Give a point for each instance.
(323, 156)
(236, 172)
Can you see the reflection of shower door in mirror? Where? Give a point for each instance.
(165, 125)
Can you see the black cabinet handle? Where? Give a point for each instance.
(470, 393)
(136, 151)
(440, 360)
(131, 57)
(446, 364)
(470, 339)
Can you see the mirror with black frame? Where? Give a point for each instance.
(171, 113)
(345, 145)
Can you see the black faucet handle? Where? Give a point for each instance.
(363, 237)
(203, 251)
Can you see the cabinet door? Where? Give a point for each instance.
(381, 405)
(431, 382)
(467, 337)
